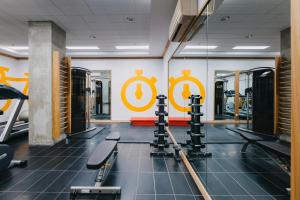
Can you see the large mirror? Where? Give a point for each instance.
(230, 62)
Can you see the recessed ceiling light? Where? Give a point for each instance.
(192, 53)
(130, 19)
(141, 47)
(133, 53)
(92, 36)
(249, 36)
(18, 47)
(225, 18)
(199, 47)
(250, 47)
(82, 47)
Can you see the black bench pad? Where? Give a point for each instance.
(250, 137)
(113, 136)
(247, 136)
(101, 154)
(276, 147)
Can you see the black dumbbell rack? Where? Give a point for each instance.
(195, 144)
(160, 144)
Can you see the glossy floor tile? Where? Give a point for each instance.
(228, 174)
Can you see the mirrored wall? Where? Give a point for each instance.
(227, 58)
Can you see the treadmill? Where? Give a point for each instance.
(12, 128)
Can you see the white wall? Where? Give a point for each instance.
(205, 72)
(16, 69)
(122, 70)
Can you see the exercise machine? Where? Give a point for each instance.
(160, 143)
(194, 144)
(6, 157)
(12, 128)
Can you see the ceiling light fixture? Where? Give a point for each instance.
(250, 47)
(92, 36)
(82, 47)
(18, 47)
(8, 49)
(249, 36)
(130, 19)
(199, 47)
(225, 18)
(141, 47)
(192, 53)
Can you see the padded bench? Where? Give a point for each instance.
(102, 159)
(278, 147)
(250, 138)
(113, 136)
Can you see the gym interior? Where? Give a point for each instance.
(150, 99)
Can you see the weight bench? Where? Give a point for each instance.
(101, 159)
(281, 146)
(278, 147)
(250, 138)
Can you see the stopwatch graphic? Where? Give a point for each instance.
(138, 91)
(5, 79)
(186, 76)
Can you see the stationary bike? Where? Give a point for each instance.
(6, 157)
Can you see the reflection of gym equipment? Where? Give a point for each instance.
(280, 147)
(99, 99)
(219, 98)
(161, 142)
(102, 159)
(195, 145)
(257, 103)
(263, 101)
(229, 104)
(13, 128)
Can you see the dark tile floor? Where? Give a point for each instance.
(228, 174)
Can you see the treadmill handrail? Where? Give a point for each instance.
(7, 92)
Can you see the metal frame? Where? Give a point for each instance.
(11, 121)
(98, 188)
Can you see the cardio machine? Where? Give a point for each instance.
(11, 128)
(6, 157)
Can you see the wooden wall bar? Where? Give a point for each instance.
(69, 94)
(55, 95)
(236, 95)
(61, 95)
(295, 42)
(276, 94)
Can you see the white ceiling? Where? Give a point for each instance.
(106, 19)
(264, 19)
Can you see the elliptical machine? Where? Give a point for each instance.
(6, 152)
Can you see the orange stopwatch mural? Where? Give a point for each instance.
(5, 80)
(138, 93)
(186, 92)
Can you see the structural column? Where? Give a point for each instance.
(295, 61)
(44, 38)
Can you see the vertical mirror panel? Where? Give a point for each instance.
(228, 58)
